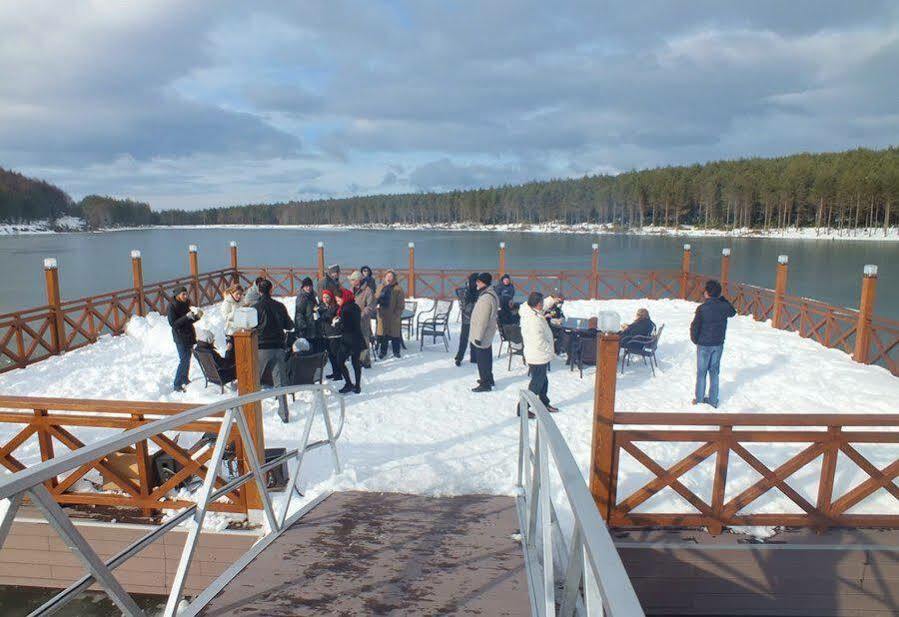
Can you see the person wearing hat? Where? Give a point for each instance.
(505, 290)
(468, 296)
(331, 282)
(182, 318)
(365, 299)
(483, 329)
(304, 311)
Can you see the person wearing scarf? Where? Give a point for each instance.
(351, 342)
(391, 301)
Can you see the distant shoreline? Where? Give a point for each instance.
(805, 233)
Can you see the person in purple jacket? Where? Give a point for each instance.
(707, 332)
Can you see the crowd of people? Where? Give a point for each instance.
(334, 318)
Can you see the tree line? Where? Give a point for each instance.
(845, 190)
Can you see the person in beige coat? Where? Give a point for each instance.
(390, 299)
(365, 298)
(539, 347)
(483, 329)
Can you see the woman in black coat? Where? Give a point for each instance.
(352, 342)
(328, 338)
(641, 326)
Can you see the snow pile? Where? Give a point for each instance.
(63, 223)
(418, 428)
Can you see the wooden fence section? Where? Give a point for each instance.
(724, 438)
(33, 335)
(51, 424)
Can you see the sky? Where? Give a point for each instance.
(215, 103)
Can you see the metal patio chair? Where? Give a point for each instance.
(435, 326)
(650, 345)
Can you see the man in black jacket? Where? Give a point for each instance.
(181, 319)
(273, 321)
(707, 332)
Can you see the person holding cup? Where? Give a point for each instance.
(182, 318)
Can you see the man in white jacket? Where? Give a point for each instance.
(539, 347)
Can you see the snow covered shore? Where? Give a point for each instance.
(873, 234)
(418, 428)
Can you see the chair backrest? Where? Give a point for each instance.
(443, 308)
(654, 343)
(410, 305)
(307, 369)
(207, 365)
(512, 333)
(587, 344)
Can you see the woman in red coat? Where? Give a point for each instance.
(352, 341)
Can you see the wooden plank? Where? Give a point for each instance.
(756, 419)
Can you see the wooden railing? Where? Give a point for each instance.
(33, 335)
(55, 422)
(724, 438)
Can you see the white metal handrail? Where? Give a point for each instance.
(30, 482)
(594, 581)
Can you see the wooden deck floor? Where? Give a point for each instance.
(361, 553)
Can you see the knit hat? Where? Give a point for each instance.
(486, 278)
(505, 276)
(180, 290)
(306, 282)
(334, 269)
(356, 276)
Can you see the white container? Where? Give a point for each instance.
(245, 318)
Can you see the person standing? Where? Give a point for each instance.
(707, 332)
(304, 311)
(483, 329)
(369, 279)
(539, 348)
(182, 318)
(232, 301)
(467, 296)
(351, 342)
(328, 336)
(331, 282)
(365, 299)
(505, 290)
(273, 321)
(391, 300)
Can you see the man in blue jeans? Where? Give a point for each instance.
(707, 332)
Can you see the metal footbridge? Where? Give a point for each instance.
(353, 553)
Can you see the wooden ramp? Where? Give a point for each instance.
(361, 553)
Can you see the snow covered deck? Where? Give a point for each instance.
(417, 427)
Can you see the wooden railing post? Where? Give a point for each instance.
(57, 329)
(321, 260)
(865, 312)
(502, 259)
(725, 271)
(246, 355)
(594, 273)
(235, 273)
(411, 276)
(780, 288)
(142, 453)
(45, 443)
(603, 448)
(137, 276)
(194, 273)
(685, 272)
